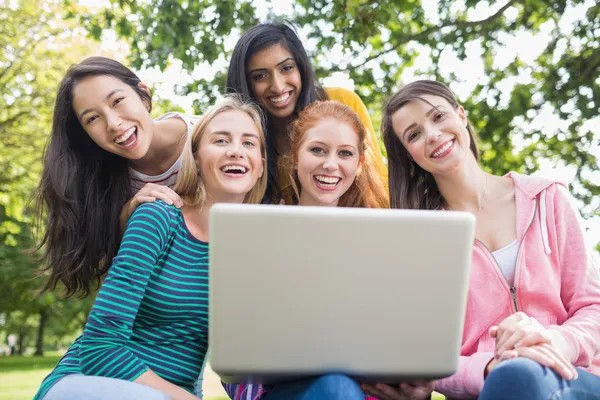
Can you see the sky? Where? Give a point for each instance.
(469, 71)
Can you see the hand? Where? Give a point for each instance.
(152, 192)
(417, 390)
(147, 194)
(518, 330)
(545, 354)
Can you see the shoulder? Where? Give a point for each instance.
(342, 95)
(156, 213)
(174, 123)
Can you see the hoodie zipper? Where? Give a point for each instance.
(512, 289)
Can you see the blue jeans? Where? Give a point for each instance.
(75, 387)
(523, 378)
(331, 387)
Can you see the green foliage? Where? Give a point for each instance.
(381, 39)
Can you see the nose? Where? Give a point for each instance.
(433, 135)
(330, 163)
(235, 150)
(113, 121)
(277, 84)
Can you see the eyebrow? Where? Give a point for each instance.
(228, 134)
(411, 126)
(108, 96)
(278, 64)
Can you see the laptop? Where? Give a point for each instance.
(376, 294)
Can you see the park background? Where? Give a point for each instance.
(526, 71)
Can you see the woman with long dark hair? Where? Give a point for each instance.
(532, 327)
(270, 65)
(147, 334)
(105, 156)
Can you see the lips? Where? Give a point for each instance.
(281, 101)
(235, 170)
(443, 149)
(128, 138)
(326, 182)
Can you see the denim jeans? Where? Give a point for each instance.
(332, 387)
(523, 378)
(77, 387)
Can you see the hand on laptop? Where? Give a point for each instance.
(418, 390)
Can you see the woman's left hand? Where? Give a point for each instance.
(518, 330)
(418, 390)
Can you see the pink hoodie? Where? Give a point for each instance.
(556, 282)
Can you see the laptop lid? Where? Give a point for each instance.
(304, 291)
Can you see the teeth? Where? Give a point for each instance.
(280, 99)
(327, 179)
(443, 149)
(239, 168)
(125, 135)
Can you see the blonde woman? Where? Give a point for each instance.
(147, 334)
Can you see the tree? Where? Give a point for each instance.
(31, 67)
(381, 39)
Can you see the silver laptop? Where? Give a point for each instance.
(295, 292)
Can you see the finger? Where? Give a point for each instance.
(507, 355)
(493, 331)
(417, 392)
(372, 391)
(548, 359)
(389, 391)
(533, 338)
(162, 196)
(136, 201)
(509, 342)
(562, 360)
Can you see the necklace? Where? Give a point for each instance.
(482, 197)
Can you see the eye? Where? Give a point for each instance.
(439, 116)
(258, 77)
(91, 119)
(118, 100)
(413, 135)
(220, 141)
(346, 153)
(288, 67)
(249, 143)
(317, 150)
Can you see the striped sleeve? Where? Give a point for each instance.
(103, 350)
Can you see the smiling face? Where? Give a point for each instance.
(327, 162)
(229, 156)
(275, 80)
(113, 115)
(435, 134)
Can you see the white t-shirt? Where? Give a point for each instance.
(169, 177)
(506, 258)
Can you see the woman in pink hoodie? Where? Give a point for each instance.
(532, 328)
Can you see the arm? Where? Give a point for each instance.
(578, 337)
(103, 346)
(469, 376)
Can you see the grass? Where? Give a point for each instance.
(20, 377)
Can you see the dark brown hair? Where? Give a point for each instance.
(368, 189)
(410, 185)
(82, 189)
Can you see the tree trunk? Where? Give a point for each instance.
(21, 341)
(39, 342)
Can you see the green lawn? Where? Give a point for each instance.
(20, 377)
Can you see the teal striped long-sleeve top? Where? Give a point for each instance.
(152, 309)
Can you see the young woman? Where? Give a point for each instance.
(270, 65)
(105, 157)
(532, 328)
(147, 334)
(327, 167)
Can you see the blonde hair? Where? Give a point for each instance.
(368, 188)
(189, 183)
